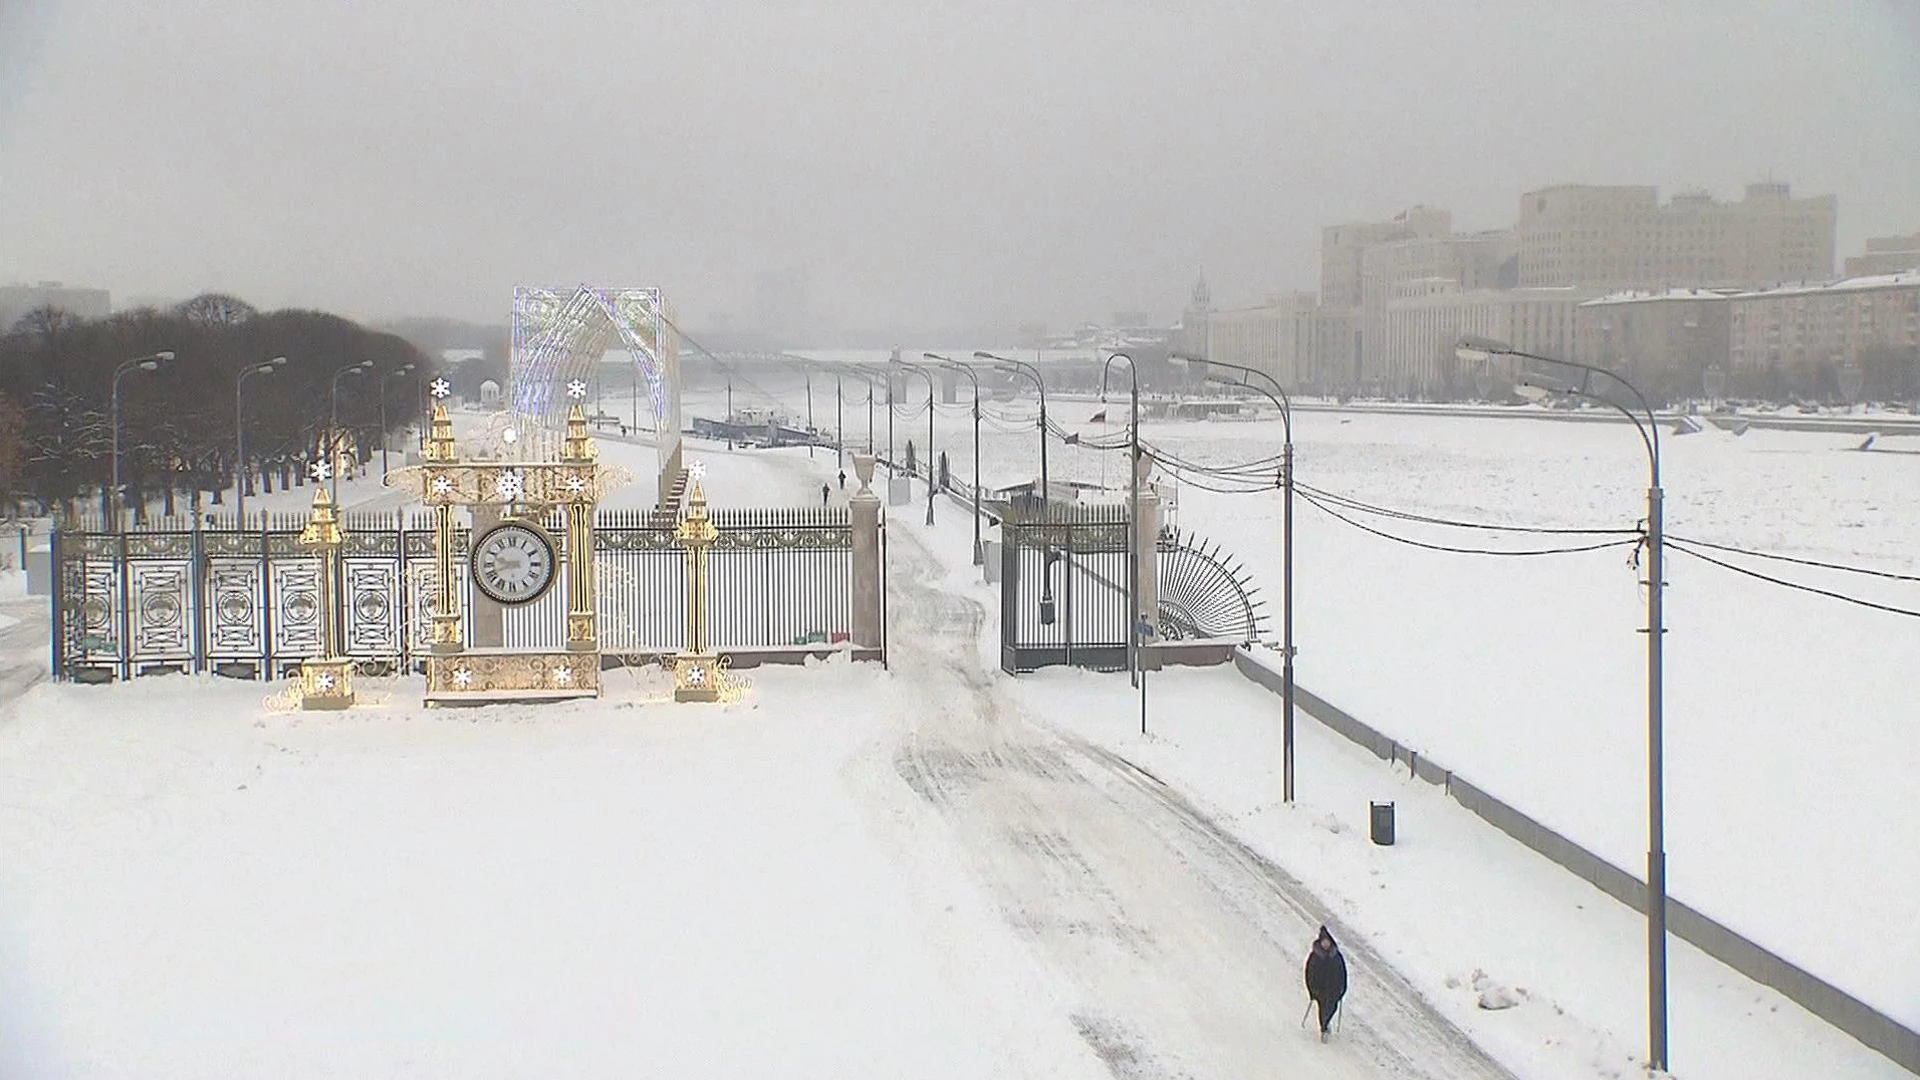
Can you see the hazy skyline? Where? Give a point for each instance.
(925, 164)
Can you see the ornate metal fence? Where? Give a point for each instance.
(1063, 598)
(170, 597)
(1062, 594)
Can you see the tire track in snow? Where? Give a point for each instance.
(1185, 943)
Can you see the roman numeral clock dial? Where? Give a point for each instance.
(513, 563)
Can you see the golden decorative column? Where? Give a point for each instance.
(440, 491)
(326, 682)
(696, 673)
(579, 492)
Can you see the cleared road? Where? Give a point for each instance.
(1185, 946)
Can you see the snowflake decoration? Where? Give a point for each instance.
(463, 678)
(508, 486)
(696, 676)
(440, 388)
(562, 676)
(509, 436)
(577, 484)
(442, 486)
(698, 470)
(320, 469)
(577, 389)
(324, 681)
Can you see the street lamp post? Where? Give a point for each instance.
(931, 482)
(865, 377)
(810, 438)
(1281, 401)
(1476, 350)
(1133, 507)
(889, 377)
(333, 432)
(394, 374)
(979, 552)
(1019, 367)
(240, 437)
(141, 363)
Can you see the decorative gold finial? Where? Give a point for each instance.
(579, 448)
(322, 531)
(440, 439)
(326, 681)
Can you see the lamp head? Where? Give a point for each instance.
(164, 357)
(982, 354)
(1474, 349)
(1537, 387)
(149, 365)
(278, 361)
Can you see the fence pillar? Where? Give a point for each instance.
(864, 508)
(1146, 541)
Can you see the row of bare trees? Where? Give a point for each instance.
(177, 424)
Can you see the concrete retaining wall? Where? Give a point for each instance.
(1872, 1027)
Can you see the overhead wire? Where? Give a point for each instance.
(1598, 545)
(1685, 548)
(1842, 567)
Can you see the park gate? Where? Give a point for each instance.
(171, 597)
(1063, 592)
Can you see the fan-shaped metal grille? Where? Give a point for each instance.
(1204, 593)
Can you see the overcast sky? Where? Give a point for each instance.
(926, 163)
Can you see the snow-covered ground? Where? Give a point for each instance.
(197, 887)
(1456, 906)
(1789, 725)
(936, 870)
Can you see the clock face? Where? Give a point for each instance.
(513, 563)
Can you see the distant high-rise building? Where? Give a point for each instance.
(1886, 255)
(1342, 247)
(17, 300)
(1423, 266)
(1347, 339)
(1420, 334)
(1623, 238)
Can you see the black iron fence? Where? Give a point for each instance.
(168, 596)
(1063, 588)
(1063, 597)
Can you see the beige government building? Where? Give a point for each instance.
(1664, 292)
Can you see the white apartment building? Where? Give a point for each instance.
(1422, 331)
(1342, 247)
(1623, 238)
(1280, 338)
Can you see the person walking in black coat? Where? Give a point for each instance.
(1326, 978)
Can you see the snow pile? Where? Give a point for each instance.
(1493, 996)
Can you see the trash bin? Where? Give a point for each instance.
(1381, 823)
